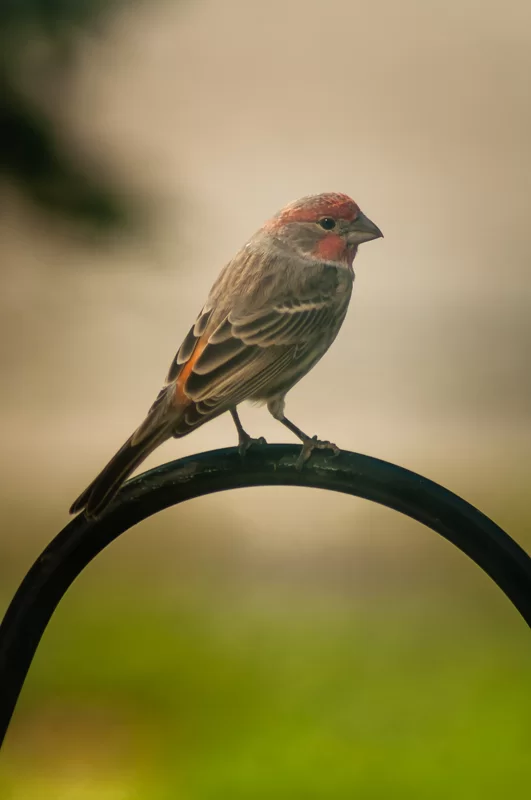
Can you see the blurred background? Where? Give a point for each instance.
(276, 642)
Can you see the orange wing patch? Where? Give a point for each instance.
(180, 394)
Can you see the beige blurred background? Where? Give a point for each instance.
(212, 116)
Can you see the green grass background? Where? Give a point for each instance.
(170, 675)
(133, 698)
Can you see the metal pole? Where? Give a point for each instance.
(264, 465)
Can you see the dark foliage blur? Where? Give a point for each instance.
(38, 44)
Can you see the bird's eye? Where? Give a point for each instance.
(327, 223)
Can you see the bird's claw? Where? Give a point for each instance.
(312, 444)
(246, 441)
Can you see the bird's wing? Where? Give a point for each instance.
(227, 358)
(247, 349)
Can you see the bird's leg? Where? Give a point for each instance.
(309, 443)
(244, 440)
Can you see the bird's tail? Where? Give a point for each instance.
(105, 486)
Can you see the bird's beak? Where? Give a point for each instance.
(363, 230)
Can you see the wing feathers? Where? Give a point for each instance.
(214, 356)
(200, 385)
(243, 352)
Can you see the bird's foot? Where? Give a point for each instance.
(311, 444)
(245, 442)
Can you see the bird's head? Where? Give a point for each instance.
(325, 227)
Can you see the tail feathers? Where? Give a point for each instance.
(103, 488)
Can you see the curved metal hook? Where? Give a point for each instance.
(265, 465)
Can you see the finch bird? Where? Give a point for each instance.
(273, 312)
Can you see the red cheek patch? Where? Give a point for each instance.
(331, 248)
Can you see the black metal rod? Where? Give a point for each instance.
(264, 465)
